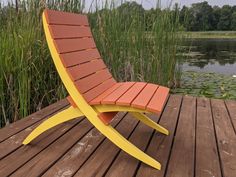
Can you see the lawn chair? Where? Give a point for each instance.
(93, 91)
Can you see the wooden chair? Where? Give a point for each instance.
(93, 91)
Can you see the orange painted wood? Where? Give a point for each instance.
(65, 31)
(65, 18)
(78, 57)
(70, 45)
(131, 94)
(106, 117)
(71, 101)
(82, 70)
(111, 98)
(85, 84)
(93, 93)
(145, 96)
(98, 99)
(158, 100)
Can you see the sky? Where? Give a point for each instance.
(148, 4)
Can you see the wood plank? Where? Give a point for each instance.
(78, 57)
(40, 163)
(22, 124)
(181, 161)
(226, 138)
(142, 100)
(93, 93)
(15, 141)
(25, 153)
(100, 160)
(79, 71)
(231, 106)
(65, 18)
(64, 31)
(94, 155)
(126, 165)
(160, 146)
(158, 100)
(131, 94)
(72, 45)
(98, 99)
(207, 159)
(80, 152)
(85, 84)
(111, 98)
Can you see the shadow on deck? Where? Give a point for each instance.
(202, 142)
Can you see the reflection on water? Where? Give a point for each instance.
(210, 55)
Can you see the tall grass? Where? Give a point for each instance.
(134, 45)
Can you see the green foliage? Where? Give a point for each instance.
(28, 79)
(203, 17)
(233, 21)
(202, 13)
(225, 18)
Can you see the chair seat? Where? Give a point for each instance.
(140, 95)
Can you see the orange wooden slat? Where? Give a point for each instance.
(74, 58)
(85, 84)
(158, 100)
(130, 95)
(111, 98)
(98, 99)
(144, 96)
(63, 31)
(106, 117)
(82, 70)
(70, 45)
(93, 93)
(71, 101)
(65, 18)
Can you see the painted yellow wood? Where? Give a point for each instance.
(117, 108)
(63, 116)
(146, 120)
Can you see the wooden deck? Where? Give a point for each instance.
(202, 143)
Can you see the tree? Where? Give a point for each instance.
(202, 13)
(132, 12)
(233, 21)
(215, 17)
(225, 18)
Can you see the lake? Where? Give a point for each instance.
(210, 55)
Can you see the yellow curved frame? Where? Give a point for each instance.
(91, 112)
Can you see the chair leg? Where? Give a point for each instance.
(63, 116)
(123, 143)
(143, 118)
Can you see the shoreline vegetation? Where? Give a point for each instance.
(210, 34)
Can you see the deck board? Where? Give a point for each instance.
(181, 162)
(207, 158)
(226, 138)
(202, 142)
(160, 145)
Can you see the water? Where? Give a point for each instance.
(210, 55)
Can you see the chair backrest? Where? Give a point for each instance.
(75, 45)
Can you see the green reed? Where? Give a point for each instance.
(134, 44)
